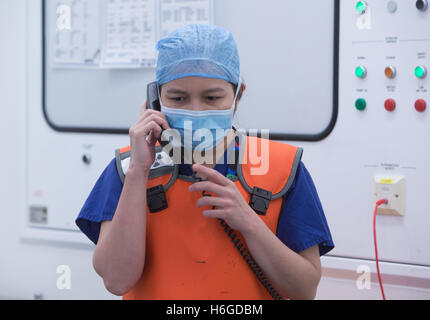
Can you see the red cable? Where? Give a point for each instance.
(378, 203)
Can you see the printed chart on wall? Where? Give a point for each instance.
(76, 41)
(129, 33)
(176, 13)
(118, 33)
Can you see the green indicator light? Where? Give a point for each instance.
(361, 6)
(360, 104)
(360, 72)
(420, 72)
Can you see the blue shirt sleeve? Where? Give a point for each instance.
(101, 203)
(302, 223)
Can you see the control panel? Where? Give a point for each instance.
(390, 48)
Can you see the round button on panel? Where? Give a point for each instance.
(390, 105)
(86, 158)
(420, 105)
(361, 72)
(392, 6)
(360, 104)
(390, 72)
(361, 7)
(420, 72)
(421, 5)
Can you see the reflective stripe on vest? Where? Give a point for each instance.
(189, 256)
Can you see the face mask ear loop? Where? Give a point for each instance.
(239, 85)
(159, 94)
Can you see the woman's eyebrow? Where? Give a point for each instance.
(175, 91)
(214, 90)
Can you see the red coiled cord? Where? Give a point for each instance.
(378, 203)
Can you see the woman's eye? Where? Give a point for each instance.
(213, 98)
(177, 99)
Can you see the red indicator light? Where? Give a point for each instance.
(390, 105)
(420, 105)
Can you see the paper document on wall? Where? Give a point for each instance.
(76, 41)
(117, 33)
(129, 34)
(177, 13)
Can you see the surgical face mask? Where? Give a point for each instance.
(201, 130)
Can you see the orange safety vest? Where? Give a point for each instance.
(190, 256)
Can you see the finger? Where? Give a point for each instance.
(158, 119)
(210, 187)
(212, 201)
(152, 115)
(212, 174)
(146, 128)
(143, 108)
(215, 213)
(152, 128)
(151, 139)
(142, 132)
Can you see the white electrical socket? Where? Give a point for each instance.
(392, 188)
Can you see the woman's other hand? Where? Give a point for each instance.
(229, 202)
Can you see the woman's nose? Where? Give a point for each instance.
(197, 105)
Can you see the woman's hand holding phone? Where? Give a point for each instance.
(143, 137)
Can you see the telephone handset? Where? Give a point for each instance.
(153, 99)
(153, 96)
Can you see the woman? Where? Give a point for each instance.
(171, 242)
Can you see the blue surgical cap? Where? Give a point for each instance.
(198, 50)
